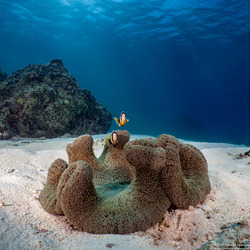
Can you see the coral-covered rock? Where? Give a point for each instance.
(129, 187)
(45, 100)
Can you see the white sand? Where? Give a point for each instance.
(25, 225)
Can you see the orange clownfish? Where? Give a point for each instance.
(122, 121)
(113, 138)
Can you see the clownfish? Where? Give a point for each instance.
(113, 138)
(122, 121)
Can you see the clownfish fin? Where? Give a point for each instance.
(109, 139)
(117, 121)
(127, 120)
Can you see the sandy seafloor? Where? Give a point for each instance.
(222, 221)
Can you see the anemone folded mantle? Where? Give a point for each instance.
(129, 187)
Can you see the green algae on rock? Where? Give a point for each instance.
(128, 188)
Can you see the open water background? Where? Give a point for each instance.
(178, 67)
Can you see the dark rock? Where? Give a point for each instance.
(247, 153)
(241, 156)
(45, 100)
(3, 76)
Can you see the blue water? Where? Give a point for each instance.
(178, 67)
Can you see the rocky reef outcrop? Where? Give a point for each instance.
(129, 187)
(45, 100)
(3, 75)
